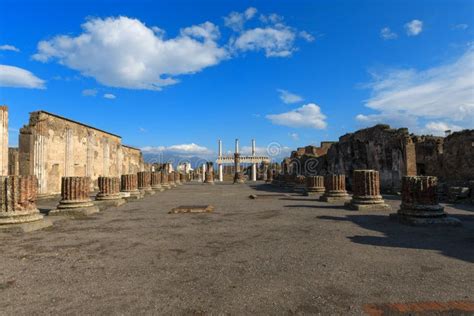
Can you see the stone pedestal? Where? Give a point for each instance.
(314, 185)
(171, 180)
(164, 180)
(18, 204)
(239, 177)
(75, 200)
(177, 178)
(269, 176)
(156, 182)
(300, 184)
(183, 178)
(109, 192)
(144, 183)
(420, 205)
(335, 186)
(209, 175)
(366, 195)
(129, 187)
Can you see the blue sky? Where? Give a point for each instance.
(178, 75)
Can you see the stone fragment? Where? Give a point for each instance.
(420, 205)
(366, 195)
(335, 185)
(193, 209)
(75, 200)
(314, 185)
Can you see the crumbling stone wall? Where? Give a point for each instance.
(458, 158)
(429, 154)
(52, 147)
(132, 160)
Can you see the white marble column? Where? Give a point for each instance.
(3, 140)
(220, 166)
(254, 166)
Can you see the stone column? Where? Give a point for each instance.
(144, 182)
(171, 180)
(335, 186)
(164, 180)
(254, 165)
(238, 177)
(109, 192)
(75, 200)
(182, 178)
(420, 206)
(300, 184)
(18, 200)
(3, 140)
(156, 181)
(209, 176)
(269, 176)
(129, 187)
(366, 195)
(177, 179)
(314, 185)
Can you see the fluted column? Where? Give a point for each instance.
(171, 180)
(209, 176)
(129, 187)
(420, 205)
(269, 176)
(314, 185)
(300, 184)
(3, 140)
(239, 177)
(18, 200)
(366, 191)
(75, 199)
(182, 178)
(144, 182)
(109, 188)
(335, 188)
(177, 179)
(165, 180)
(156, 181)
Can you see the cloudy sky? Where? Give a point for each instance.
(177, 75)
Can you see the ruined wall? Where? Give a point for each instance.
(51, 147)
(13, 162)
(132, 160)
(389, 151)
(458, 158)
(312, 151)
(429, 153)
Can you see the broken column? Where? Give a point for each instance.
(269, 176)
(156, 181)
(420, 205)
(366, 191)
(3, 140)
(75, 199)
(109, 192)
(18, 200)
(314, 185)
(300, 184)
(164, 180)
(129, 187)
(177, 179)
(144, 183)
(238, 177)
(335, 188)
(183, 178)
(171, 180)
(209, 176)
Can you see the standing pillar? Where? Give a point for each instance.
(269, 176)
(254, 165)
(109, 192)
(129, 187)
(300, 184)
(3, 140)
(420, 205)
(238, 177)
(75, 200)
(209, 176)
(366, 195)
(18, 200)
(177, 178)
(144, 183)
(156, 181)
(314, 185)
(165, 180)
(335, 186)
(171, 180)
(220, 166)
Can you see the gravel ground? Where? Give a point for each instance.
(278, 255)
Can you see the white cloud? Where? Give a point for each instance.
(307, 36)
(387, 34)
(438, 128)
(15, 77)
(414, 27)
(403, 97)
(89, 92)
(288, 97)
(294, 136)
(270, 150)
(274, 41)
(124, 52)
(461, 26)
(9, 48)
(308, 115)
(183, 149)
(236, 20)
(109, 96)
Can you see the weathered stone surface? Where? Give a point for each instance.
(314, 185)
(209, 175)
(177, 178)
(458, 158)
(269, 176)
(335, 186)
(165, 180)
(193, 209)
(109, 193)
(13, 162)
(129, 187)
(144, 183)
(300, 184)
(171, 180)
(3, 140)
(18, 200)
(420, 205)
(156, 181)
(239, 177)
(366, 191)
(456, 194)
(75, 200)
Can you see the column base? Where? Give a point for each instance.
(20, 218)
(26, 227)
(148, 191)
(158, 188)
(166, 186)
(426, 221)
(104, 204)
(74, 209)
(334, 197)
(132, 195)
(368, 207)
(209, 183)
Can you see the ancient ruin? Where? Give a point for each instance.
(209, 175)
(314, 185)
(144, 183)
(366, 191)
(335, 188)
(156, 181)
(75, 198)
(109, 191)
(420, 205)
(129, 187)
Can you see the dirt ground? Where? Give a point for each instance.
(278, 255)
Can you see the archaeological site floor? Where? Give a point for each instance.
(273, 255)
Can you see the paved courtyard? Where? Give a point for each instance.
(275, 255)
